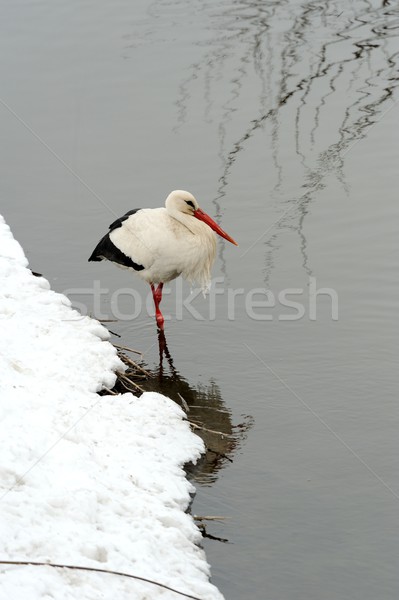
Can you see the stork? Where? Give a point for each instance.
(159, 244)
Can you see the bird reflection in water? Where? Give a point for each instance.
(206, 411)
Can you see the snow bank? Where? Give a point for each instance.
(85, 480)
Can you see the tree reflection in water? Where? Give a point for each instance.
(312, 76)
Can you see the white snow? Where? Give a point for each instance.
(85, 480)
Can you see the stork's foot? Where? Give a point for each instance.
(160, 320)
(157, 296)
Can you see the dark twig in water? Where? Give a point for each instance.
(131, 363)
(185, 405)
(205, 534)
(196, 426)
(127, 349)
(128, 381)
(221, 454)
(209, 518)
(113, 333)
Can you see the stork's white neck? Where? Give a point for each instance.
(188, 220)
(200, 247)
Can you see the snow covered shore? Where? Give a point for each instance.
(85, 480)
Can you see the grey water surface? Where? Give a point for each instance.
(282, 118)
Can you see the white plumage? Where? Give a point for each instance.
(162, 243)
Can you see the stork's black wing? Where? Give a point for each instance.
(106, 249)
(118, 222)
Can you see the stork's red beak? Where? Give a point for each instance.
(202, 216)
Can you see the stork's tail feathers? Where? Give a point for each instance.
(99, 251)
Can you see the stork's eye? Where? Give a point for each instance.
(190, 203)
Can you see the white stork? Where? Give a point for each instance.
(159, 244)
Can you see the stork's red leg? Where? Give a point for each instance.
(157, 296)
(158, 292)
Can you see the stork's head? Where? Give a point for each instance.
(180, 201)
